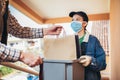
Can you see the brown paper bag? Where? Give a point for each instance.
(65, 48)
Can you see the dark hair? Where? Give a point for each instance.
(81, 13)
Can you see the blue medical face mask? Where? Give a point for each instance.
(76, 26)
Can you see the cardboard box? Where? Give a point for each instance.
(62, 70)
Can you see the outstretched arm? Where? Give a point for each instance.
(26, 32)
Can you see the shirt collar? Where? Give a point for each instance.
(86, 37)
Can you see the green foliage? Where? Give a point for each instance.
(5, 70)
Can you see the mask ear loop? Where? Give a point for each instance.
(86, 23)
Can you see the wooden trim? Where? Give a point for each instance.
(92, 17)
(58, 20)
(18, 4)
(103, 16)
(114, 39)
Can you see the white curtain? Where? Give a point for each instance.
(101, 30)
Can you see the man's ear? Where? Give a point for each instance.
(84, 24)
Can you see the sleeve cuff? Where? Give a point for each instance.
(93, 61)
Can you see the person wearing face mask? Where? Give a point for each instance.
(93, 56)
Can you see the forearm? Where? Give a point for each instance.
(97, 64)
(17, 30)
(8, 54)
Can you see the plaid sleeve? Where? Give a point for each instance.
(23, 32)
(8, 54)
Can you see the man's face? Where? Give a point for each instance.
(77, 17)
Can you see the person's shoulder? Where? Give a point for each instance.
(92, 36)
